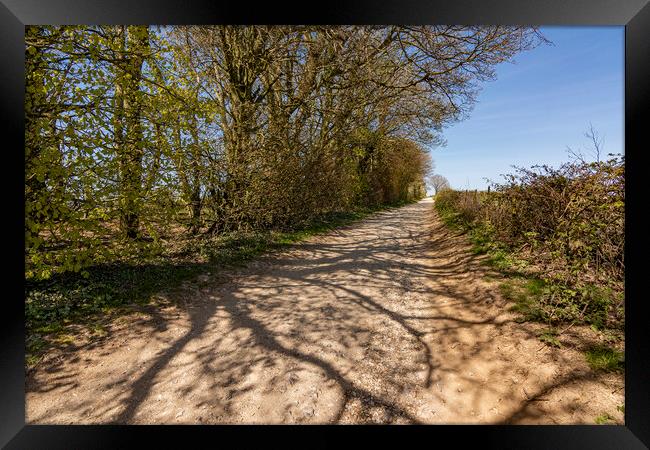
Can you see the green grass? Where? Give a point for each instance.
(525, 293)
(481, 236)
(604, 419)
(605, 359)
(451, 219)
(112, 288)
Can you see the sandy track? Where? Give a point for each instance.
(389, 320)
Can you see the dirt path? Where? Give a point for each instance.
(389, 320)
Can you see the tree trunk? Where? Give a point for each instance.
(128, 125)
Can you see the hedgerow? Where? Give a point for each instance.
(564, 226)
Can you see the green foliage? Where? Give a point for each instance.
(389, 170)
(131, 133)
(549, 337)
(74, 159)
(604, 358)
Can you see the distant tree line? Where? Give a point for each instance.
(137, 133)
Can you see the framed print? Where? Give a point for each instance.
(405, 213)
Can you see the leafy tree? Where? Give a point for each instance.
(133, 133)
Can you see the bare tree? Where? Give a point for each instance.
(596, 149)
(438, 183)
(596, 141)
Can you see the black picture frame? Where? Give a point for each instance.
(633, 14)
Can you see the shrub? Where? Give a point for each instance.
(570, 218)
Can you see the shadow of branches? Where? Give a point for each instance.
(387, 321)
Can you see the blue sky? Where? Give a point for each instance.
(539, 105)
